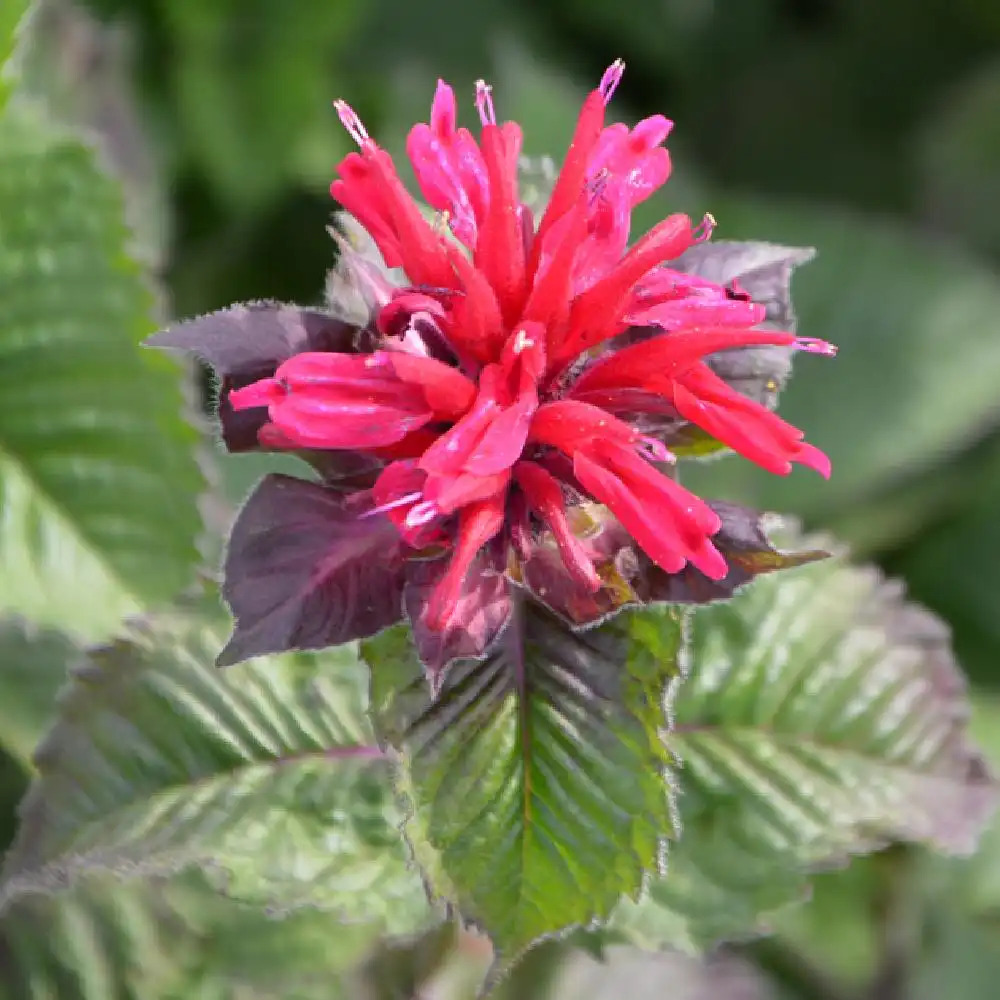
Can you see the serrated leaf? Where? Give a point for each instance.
(264, 775)
(536, 779)
(822, 716)
(98, 476)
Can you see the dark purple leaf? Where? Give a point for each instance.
(480, 615)
(240, 428)
(248, 341)
(304, 571)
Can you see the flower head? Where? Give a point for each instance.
(505, 392)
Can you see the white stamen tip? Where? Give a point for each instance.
(350, 120)
(484, 103)
(705, 229)
(522, 342)
(612, 77)
(391, 505)
(421, 514)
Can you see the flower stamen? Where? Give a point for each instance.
(422, 513)
(352, 123)
(484, 103)
(813, 345)
(703, 232)
(384, 508)
(612, 77)
(655, 450)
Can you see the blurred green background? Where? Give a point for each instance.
(870, 130)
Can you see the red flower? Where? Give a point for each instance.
(498, 395)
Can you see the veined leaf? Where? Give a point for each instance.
(98, 478)
(107, 943)
(537, 778)
(167, 940)
(822, 716)
(33, 665)
(265, 776)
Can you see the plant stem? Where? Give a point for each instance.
(789, 968)
(898, 922)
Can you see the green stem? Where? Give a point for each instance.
(535, 975)
(897, 919)
(790, 969)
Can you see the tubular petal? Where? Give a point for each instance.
(653, 363)
(478, 523)
(545, 497)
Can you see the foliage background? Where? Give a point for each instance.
(871, 131)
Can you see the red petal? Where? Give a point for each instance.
(503, 442)
(568, 424)
(500, 249)
(423, 254)
(404, 480)
(478, 523)
(320, 422)
(545, 497)
(652, 364)
(449, 493)
(670, 524)
(571, 178)
(597, 313)
(412, 446)
(477, 329)
(262, 393)
(549, 299)
(743, 424)
(447, 391)
(448, 454)
(656, 540)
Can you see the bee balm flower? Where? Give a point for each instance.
(503, 394)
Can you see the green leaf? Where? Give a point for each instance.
(822, 716)
(108, 943)
(98, 476)
(265, 775)
(915, 377)
(33, 665)
(12, 16)
(174, 940)
(537, 780)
